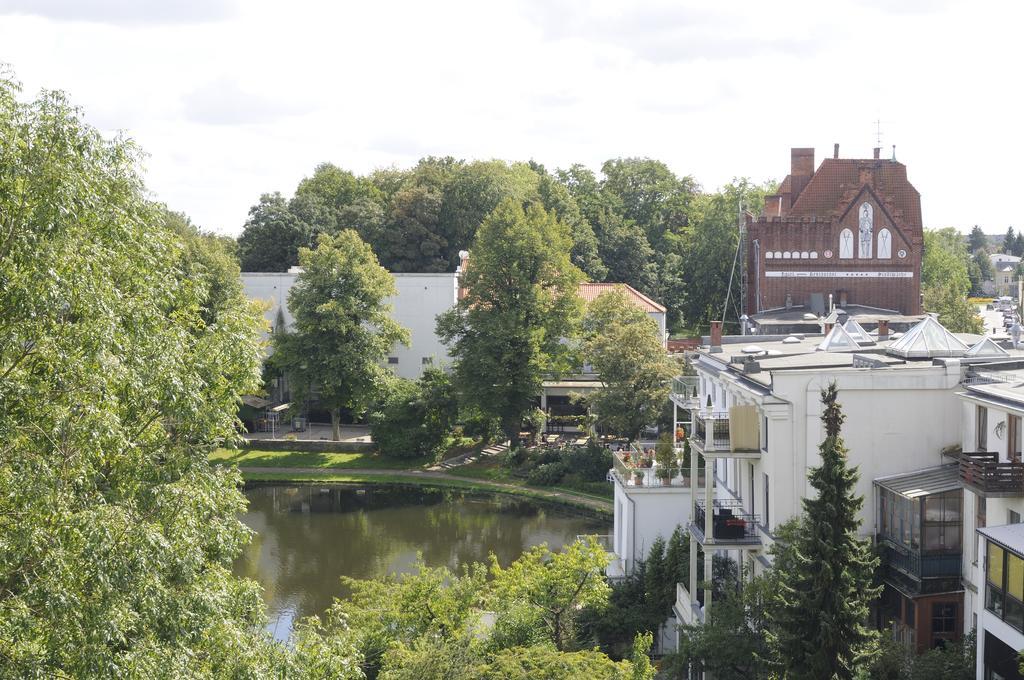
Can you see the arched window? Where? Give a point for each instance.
(786, 255)
(778, 254)
(884, 244)
(866, 225)
(814, 254)
(845, 244)
(769, 255)
(804, 255)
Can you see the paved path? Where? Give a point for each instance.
(588, 501)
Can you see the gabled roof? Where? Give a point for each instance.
(824, 193)
(857, 331)
(838, 340)
(926, 340)
(590, 291)
(986, 347)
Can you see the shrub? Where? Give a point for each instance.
(514, 458)
(591, 462)
(547, 474)
(415, 418)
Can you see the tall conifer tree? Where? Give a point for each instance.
(825, 584)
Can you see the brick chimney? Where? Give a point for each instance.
(835, 151)
(878, 152)
(802, 162)
(716, 336)
(883, 329)
(773, 205)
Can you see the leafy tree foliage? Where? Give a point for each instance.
(416, 418)
(343, 328)
(818, 619)
(625, 349)
(272, 236)
(544, 592)
(945, 280)
(124, 349)
(977, 240)
(506, 333)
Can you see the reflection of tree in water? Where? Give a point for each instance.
(311, 535)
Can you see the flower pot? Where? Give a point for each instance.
(638, 479)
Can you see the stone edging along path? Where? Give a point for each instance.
(427, 475)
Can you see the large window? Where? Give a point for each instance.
(942, 523)
(1013, 438)
(981, 425)
(1004, 576)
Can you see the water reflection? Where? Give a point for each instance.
(308, 536)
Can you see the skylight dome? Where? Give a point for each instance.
(791, 340)
(926, 340)
(838, 340)
(752, 349)
(857, 331)
(986, 348)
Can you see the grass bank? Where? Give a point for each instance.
(567, 497)
(314, 459)
(490, 470)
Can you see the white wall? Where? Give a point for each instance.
(421, 298)
(645, 513)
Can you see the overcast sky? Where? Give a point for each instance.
(233, 99)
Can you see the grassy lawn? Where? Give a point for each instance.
(314, 459)
(491, 470)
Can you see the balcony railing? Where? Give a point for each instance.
(729, 522)
(713, 433)
(630, 475)
(913, 563)
(689, 608)
(684, 390)
(984, 472)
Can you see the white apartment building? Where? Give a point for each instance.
(420, 299)
(992, 473)
(754, 412)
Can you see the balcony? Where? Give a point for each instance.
(730, 524)
(688, 609)
(630, 476)
(919, 573)
(684, 391)
(735, 433)
(987, 476)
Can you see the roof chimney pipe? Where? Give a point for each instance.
(835, 151)
(878, 152)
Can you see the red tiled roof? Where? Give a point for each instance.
(837, 181)
(589, 291)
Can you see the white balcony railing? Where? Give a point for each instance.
(688, 608)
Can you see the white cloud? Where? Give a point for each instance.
(232, 101)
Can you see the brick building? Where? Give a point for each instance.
(850, 229)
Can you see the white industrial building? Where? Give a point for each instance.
(420, 299)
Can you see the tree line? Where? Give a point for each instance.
(636, 222)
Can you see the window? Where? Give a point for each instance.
(427, 361)
(911, 609)
(1004, 588)
(944, 618)
(764, 438)
(942, 524)
(1012, 517)
(981, 424)
(751, 500)
(767, 524)
(980, 506)
(1013, 437)
(392, 360)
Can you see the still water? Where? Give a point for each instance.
(308, 536)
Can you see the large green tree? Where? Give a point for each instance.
(977, 240)
(818, 619)
(120, 370)
(506, 334)
(945, 280)
(624, 346)
(272, 236)
(343, 327)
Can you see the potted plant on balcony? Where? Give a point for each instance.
(665, 456)
(638, 477)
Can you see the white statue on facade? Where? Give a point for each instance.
(867, 223)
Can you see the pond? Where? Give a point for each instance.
(309, 535)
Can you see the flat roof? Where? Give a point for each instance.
(923, 482)
(1009, 535)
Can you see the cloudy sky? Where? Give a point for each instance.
(233, 98)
